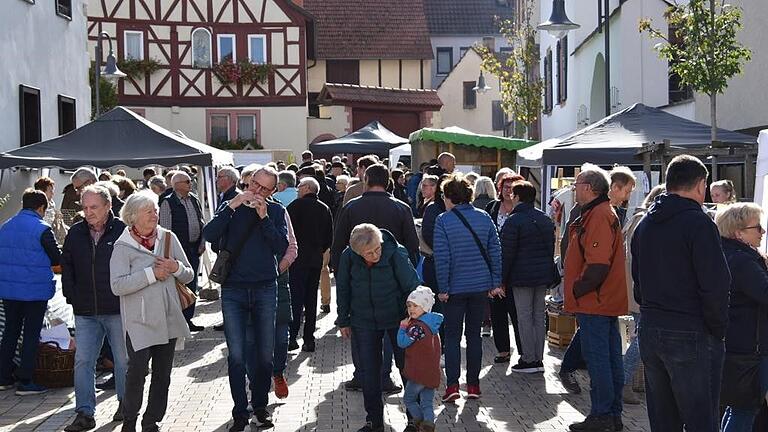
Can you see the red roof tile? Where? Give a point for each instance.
(370, 29)
(342, 94)
(466, 17)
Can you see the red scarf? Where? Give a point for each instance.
(146, 241)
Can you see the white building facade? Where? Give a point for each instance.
(44, 89)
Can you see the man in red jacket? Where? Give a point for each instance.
(595, 291)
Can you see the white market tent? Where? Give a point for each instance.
(395, 153)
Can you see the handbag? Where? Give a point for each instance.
(225, 259)
(186, 297)
(741, 377)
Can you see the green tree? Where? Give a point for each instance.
(709, 53)
(107, 94)
(521, 90)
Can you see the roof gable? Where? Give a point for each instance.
(465, 17)
(370, 29)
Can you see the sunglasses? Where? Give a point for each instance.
(757, 227)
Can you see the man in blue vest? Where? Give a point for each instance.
(28, 249)
(181, 213)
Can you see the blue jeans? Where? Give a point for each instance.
(572, 359)
(419, 401)
(303, 283)
(18, 314)
(90, 332)
(249, 314)
(739, 419)
(632, 356)
(386, 364)
(464, 312)
(683, 370)
(601, 348)
(280, 356)
(369, 346)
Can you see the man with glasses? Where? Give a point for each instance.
(80, 179)
(181, 213)
(253, 229)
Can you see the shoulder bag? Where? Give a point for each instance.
(186, 297)
(486, 258)
(741, 376)
(225, 259)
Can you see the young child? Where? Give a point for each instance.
(418, 335)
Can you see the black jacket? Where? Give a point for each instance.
(680, 273)
(313, 228)
(382, 210)
(749, 298)
(85, 270)
(527, 248)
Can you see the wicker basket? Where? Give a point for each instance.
(55, 366)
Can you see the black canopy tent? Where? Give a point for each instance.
(372, 138)
(120, 137)
(617, 138)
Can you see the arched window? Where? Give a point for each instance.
(201, 48)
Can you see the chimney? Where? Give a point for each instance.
(490, 43)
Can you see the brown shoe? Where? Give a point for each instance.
(426, 426)
(281, 387)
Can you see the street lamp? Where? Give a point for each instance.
(110, 69)
(558, 26)
(481, 86)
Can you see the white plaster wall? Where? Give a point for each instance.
(40, 49)
(743, 103)
(281, 127)
(636, 71)
(333, 120)
(456, 42)
(453, 113)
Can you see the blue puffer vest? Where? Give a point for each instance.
(25, 269)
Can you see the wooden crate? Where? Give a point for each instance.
(561, 329)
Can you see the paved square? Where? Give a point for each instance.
(200, 400)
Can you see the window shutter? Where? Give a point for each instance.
(498, 116)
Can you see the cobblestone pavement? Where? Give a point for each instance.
(200, 398)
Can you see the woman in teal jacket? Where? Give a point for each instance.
(373, 280)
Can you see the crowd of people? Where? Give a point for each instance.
(421, 259)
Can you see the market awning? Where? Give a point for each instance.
(120, 137)
(457, 135)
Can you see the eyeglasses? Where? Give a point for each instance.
(184, 181)
(757, 227)
(259, 187)
(373, 253)
(573, 185)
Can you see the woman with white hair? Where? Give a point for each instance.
(485, 192)
(146, 261)
(742, 231)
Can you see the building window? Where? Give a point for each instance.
(462, 51)
(342, 71)
(444, 60)
(219, 128)
(29, 115)
(548, 82)
(64, 8)
(313, 105)
(133, 45)
(257, 49)
(67, 114)
(470, 97)
(507, 50)
(677, 91)
(246, 127)
(201, 48)
(499, 117)
(562, 70)
(227, 48)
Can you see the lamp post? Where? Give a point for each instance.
(559, 25)
(481, 86)
(110, 69)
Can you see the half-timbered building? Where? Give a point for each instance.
(220, 71)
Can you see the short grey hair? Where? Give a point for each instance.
(314, 186)
(364, 235)
(179, 176)
(596, 177)
(502, 172)
(472, 176)
(158, 181)
(135, 203)
(343, 179)
(99, 190)
(735, 217)
(269, 171)
(287, 178)
(484, 185)
(250, 170)
(111, 187)
(84, 174)
(230, 172)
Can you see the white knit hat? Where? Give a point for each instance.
(424, 297)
